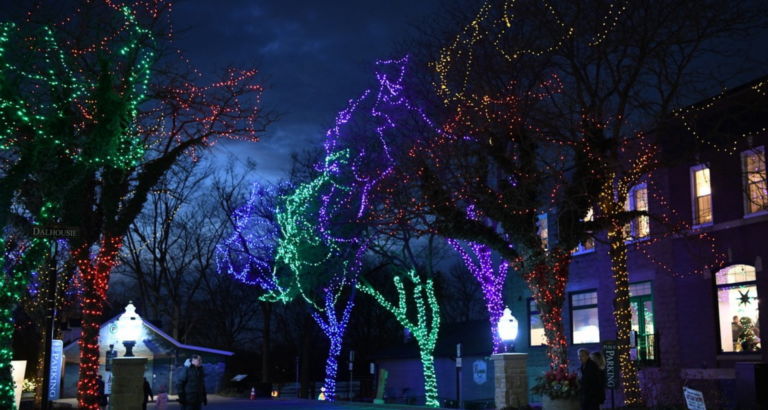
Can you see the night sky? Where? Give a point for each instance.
(315, 55)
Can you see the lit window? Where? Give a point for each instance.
(755, 186)
(544, 231)
(637, 200)
(702, 195)
(589, 244)
(641, 306)
(586, 325)
(738, 309)
(535, 327)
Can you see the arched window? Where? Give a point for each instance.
(737, 305)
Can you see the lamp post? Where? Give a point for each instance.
(510, 369)
(508, 328)
(129, 328)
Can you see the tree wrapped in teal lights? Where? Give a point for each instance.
(423, 324)
(322, 256)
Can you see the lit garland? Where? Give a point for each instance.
(424, 329)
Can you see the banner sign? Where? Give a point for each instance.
(611, 353)
(57, 361)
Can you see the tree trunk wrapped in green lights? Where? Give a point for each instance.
(424, 329)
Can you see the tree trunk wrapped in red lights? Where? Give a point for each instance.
(95, 102)
(546, 282)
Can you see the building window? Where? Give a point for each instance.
(738, 309)
(544, 231)
(702, 195)
(755, 185)
(643, 322)
(535, 327)
(589, 244)
(586, 325)
(638, 228)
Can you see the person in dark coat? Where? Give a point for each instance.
(101, 390)
(147, 394)
(191, 385)
(590, 389)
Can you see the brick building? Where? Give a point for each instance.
(714, 178)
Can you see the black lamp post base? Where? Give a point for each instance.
(129, 348)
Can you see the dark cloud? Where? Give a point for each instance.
(315, 54)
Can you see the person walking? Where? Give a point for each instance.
(590, 387)
(101, 390)
(191, 385)
(161, 402)
(147, 394)
(599, 359)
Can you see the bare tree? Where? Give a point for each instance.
(461, 300)
(170, 249)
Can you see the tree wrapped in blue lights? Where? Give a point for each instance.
(334, 327)
(248, 253)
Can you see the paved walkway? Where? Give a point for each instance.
(227, 403)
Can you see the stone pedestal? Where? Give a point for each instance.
(128, 383)
(511, 375)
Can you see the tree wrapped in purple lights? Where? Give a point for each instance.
(376, 132)
(491, 280)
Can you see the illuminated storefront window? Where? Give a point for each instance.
(738, 309)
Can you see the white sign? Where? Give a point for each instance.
(694, 399)
(479, 371)
(18, 367)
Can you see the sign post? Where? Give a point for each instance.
(57, 362)
(53, 231)
(458, 376)
(611, 352)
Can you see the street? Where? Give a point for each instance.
(226, 403)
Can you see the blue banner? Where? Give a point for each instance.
(57, 361)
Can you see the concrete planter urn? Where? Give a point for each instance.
(559, 404)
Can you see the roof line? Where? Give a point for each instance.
(169, 338)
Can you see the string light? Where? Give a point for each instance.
(424, 328)
(108, 123)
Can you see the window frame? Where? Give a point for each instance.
(584, 307)
(718, 287)
(694, 197)
(631, 205)
(544, 241)
(581, 248)
(646, 297)
(533, 310)
(746, 184)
